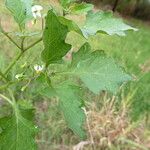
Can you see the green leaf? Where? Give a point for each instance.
(96, 70)
(17, 131)
(78, 8)
(70, 104)
(21, 10)
(72, 26)
(54, 39)
(104, 22)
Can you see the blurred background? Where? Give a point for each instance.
(120, 122)
(135, 8)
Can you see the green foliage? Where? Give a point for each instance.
(70, 103)
(97, 71)
(79, 8)
(72, 26)
(104, 22)
(21, 10)
(17, 131)
(54, 39)
(65, 3)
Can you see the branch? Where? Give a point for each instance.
(6, 99)
(3, 76)
(23, 50)
(6, 34)
(30, 46)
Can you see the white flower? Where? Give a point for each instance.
(36, 11)
(38, 68)
(19, 76)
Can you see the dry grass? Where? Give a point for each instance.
(108, 128)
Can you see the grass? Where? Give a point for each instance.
(110, 127)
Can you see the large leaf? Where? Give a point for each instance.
(97, 71)
(78, 8)
(70, 104)
(21, 10)
(54, 39)
(70, 101)
(104, 22)
(17, 131)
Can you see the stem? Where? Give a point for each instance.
(13, 62)
(20, 55)
(6, 34)
(89, 129)
(115, 5)
(30, 46)
(3, 76)
(6, 99)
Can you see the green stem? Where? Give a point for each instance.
(20, 55)
(3, 76)
(33, 44)
(13, 62)
(6, 34)
(6, 99)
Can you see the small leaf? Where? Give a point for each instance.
(96, 70)
(78, 8)
(54, 39)
(17, 131)
(104, 22)
(21, 10)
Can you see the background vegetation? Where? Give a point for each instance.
(114, 123)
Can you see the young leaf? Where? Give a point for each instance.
(54, 39)
(17, 132)
(21, 10)
(70, 104)
(104, 22)
(79, 8)
(97, 71)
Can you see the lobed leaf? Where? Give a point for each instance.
(97, 71)
(104, 22)
(54, 39)
(70, 102)
(21, 10)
